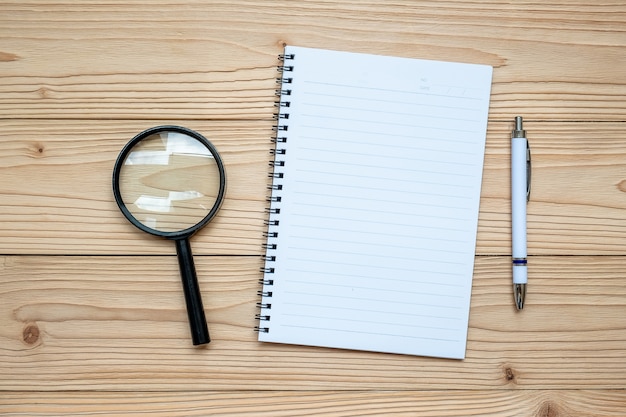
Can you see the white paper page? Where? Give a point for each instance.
(379, 203)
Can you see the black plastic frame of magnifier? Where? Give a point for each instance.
(193, 299)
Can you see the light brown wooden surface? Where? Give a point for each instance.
(92, 317)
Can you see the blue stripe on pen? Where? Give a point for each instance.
(520, 261)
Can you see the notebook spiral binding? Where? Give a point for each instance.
(281, 128)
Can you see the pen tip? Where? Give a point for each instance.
(519, 293)
(518, 123)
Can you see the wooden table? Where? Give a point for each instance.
(92, 317)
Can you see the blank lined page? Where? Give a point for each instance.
(378, 203)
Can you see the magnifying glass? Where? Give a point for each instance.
(169, 181)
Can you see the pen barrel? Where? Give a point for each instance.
(518, 206)
(520, 273)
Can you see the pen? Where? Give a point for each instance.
(520, 193)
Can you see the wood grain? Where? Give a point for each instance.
(571, 403)
(147, 59)
(118, 323)
(57, 193)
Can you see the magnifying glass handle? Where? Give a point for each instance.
(195, 309)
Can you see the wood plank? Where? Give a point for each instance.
(55, 181)
(504, 403)
(55, 187)
(216, 61)
(118, 323)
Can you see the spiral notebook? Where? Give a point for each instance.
(374, 202)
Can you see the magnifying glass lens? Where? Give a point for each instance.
(169, 181)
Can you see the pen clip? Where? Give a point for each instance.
(528, 171)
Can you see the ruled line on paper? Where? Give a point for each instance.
(415, 279)
(360, 99)
(370, 233)
(394, 91)
(415, 180)
(443, 316)
(375, 255)
(376, 323)
(390, 268)
(377, 288)
(422, 180)
(395, 158)
(374, 310)
(395, 124)
(379, 134)
(377, 333)
(380, 222)
(378, 112)
(330, 141)
(387, 212)
(376, 244)
(455, 196)
(377, 300)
